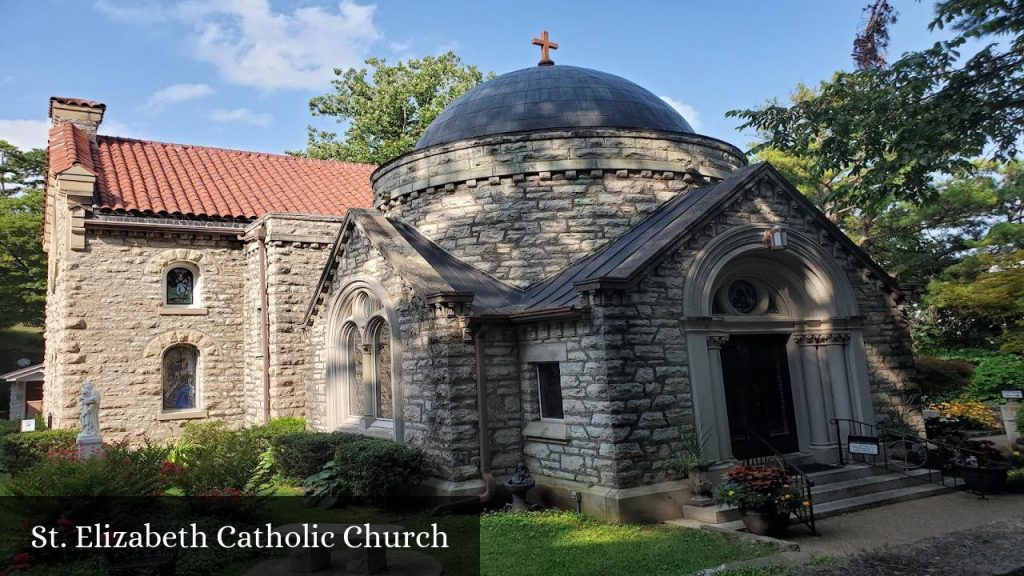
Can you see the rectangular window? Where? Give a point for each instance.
(549, 391)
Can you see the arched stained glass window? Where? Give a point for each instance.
(180, 385)
(181, 286)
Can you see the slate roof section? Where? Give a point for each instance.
(157, 178)
(548, 97)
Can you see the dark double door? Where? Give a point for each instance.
(758, 395)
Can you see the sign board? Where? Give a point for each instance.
(862, 445)
(931, 414)
(28, 425)
(1013, 394)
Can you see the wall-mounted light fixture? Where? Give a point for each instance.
(776, 238)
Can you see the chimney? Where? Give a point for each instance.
(85, 114)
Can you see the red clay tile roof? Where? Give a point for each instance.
(76, 102)
(158, 178)
(69, 146)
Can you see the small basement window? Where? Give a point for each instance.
(549, 391)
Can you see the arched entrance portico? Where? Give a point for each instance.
(785, 320)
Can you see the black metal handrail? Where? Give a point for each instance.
(895, 454)
(803, 482)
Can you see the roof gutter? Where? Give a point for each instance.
(261, 246)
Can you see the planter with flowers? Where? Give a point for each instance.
(764, 496)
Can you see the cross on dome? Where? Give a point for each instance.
(545, 45)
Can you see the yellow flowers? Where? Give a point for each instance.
(732, 492)
(806, 504)
(974, 411)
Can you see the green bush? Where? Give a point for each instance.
(119, 471)
(997, 373)
(278, 427)
(302, 454)
(1015, 479)
(20, 451)
(215, 457)
(941, 379)
(368, 471)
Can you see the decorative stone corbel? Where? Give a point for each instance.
(77, 184)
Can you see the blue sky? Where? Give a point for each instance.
(239, 73)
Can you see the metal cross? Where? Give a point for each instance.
(545, 45)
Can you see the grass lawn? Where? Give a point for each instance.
(562, 543)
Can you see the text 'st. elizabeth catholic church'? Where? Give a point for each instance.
(562, 273)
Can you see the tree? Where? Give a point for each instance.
(387, 110)
(22, 261)
(984, 292)
(889, 130)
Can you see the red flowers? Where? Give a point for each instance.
(169, 468)
(64, 522)
(21, 561)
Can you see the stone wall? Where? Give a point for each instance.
(108, 325)
(439, 411)
(523, 208)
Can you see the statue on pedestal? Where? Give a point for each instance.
(90, 442)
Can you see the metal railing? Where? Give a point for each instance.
(901, 452)
(797, 477)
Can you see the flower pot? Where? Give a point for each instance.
(984, 479)
(765, 522)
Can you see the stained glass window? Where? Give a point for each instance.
(179, 377)
(180, 286)
(382, 375)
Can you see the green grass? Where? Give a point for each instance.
(563, 543)
(20, 342)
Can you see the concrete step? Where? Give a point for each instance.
(842, 474)
(832, 491)
(865, 501)
(714, 514)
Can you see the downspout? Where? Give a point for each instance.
(485, 439)
(484, 418)
(261, 243)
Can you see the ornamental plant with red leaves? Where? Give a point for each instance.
(759, 488)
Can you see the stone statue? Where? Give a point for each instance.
(90, 409)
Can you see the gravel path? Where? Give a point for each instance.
(992, 549)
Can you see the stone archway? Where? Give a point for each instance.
(802, 297)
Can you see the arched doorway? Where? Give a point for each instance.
(775, 346)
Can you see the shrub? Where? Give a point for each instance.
(997, 373)
(216, 457)
(302, 454)
(967, 415)
(1015, 479)
(9, 427)
(118, 471)
(940, 379)
(368, 471)
(20, 451)
(278, 427)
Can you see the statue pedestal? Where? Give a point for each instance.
(89, 445)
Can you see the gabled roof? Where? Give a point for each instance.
(157, 178)
(28, 373)
(432, 271)
(618, 264)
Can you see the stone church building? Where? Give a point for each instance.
(562, 273)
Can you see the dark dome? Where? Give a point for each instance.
(545, 97)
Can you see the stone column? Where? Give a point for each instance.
(815, 390)
(17, 401)
(722, 437)
(835, 353)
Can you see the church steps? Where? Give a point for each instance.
(878, 483)
(872, 500)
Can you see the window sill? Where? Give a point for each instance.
(182, 415)
(376, 429)
(547, 430)
(182, 311)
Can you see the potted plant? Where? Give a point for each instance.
(691, 463)
(764, 496)
(983, 468)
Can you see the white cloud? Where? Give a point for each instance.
(176, 93)
(688, 112)
(115, 128)
(243, 115)
(25, 134)
(251, 44)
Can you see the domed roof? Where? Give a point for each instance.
(546, 97)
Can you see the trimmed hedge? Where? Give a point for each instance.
(21, 451)
(277, 427)
(369, 471)
(302, 454)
